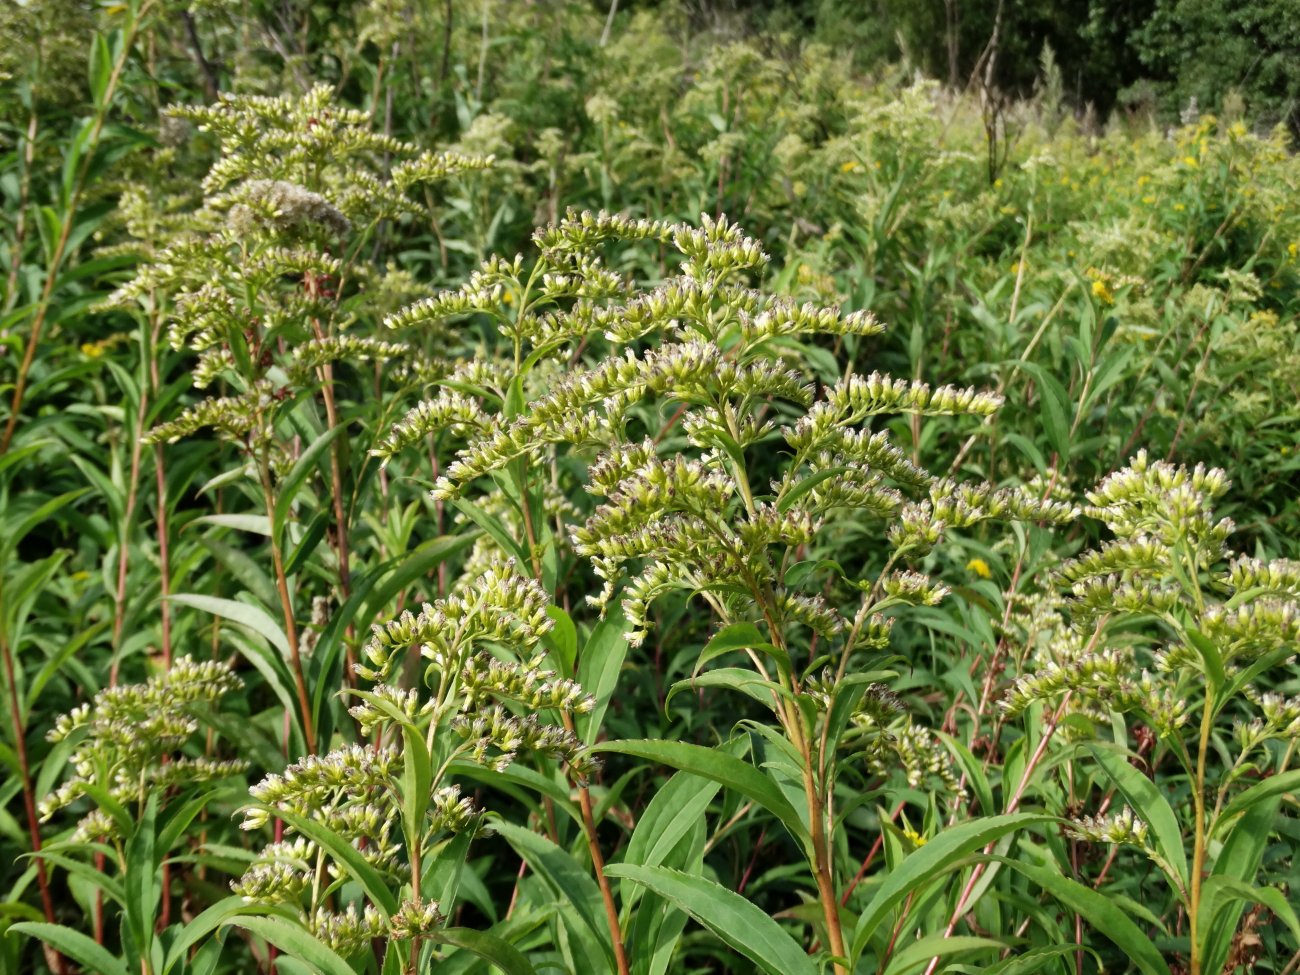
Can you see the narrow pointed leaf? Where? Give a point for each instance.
(940, 854)
(740, 924)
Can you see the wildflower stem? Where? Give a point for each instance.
(1198, 849)
(1012, 805)
(286, 606)
(29, 797)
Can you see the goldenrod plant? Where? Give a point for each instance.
(436, 537)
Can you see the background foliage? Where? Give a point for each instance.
(915, 680)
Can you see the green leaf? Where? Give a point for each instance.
(417, 779)
(739, 636)
(921, 951)
(301, 470)
(495, 530)
(194, 931)
(974, 770)
(295, 942)
(668, 817)
(740, 924)
(599, 667)
(1274, 785)
(1239, 859)
(562, 641)
(1056, 408)
(253, 617)
(732, 678)
(1099, 911)
(787, 500)
(489, 947)
(1146, 800)
(722, 768)
(77, 946)
(940, 854)
(141, 886)
(1220, 890)
(348, 856)
(257, 524)
(1212, 659)
(100, 69)
(1031, 962)
(564, 876)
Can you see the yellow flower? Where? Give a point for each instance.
(1143, 180)
(916, 838)
(980, 568)
(1190, 161)
(1148, 200)
(508, 298)
(1293, 249)
(1102, 293)
(997, 184)
(850, 166)
(92, 350)
(1180, 207)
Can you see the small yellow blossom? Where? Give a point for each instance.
(914, 837)
(1180, 207)
(1148, 200)
(997, 184)
(92, 350)
(1190, 161)
(1102, 293)
(850, 166)
(980, 568)
(1293, 249)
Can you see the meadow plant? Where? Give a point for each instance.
(701, 377)
(1176, 633)
(389, 814)
(725, 629)
(267, 287)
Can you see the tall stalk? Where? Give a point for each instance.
(286, 605)
(129, 33)
(29, 796)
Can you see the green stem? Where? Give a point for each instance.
(286, 606)
(1198, 851)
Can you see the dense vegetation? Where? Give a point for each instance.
(529, 487)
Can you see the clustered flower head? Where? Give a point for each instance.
(1121, 828)
(485, 698)
(710, 360)
(131, 740)
(1181, 620)
(252, 283)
